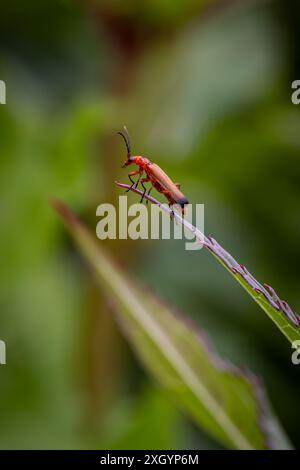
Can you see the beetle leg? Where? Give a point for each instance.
(132, 173)
(148, 194)
(144, 180)
(138, 180)
(172, 215)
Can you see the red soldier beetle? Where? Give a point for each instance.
(154, 174)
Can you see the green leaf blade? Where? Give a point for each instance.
(225, 401)
(288, 329)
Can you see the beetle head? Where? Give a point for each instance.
(127, 162)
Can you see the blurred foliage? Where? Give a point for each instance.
(204, 88)
(227, 402)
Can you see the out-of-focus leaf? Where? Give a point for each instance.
(228, 403)
(154, 13)
(150, 421)
(217, 67)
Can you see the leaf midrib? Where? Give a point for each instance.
(117, 285)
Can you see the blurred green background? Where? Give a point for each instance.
(204, 88)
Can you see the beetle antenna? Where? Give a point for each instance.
(127, 140)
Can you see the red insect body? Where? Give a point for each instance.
(155, 175)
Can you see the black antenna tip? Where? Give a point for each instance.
(126, 138)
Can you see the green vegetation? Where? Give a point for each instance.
(205, 91)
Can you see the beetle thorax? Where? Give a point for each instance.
(141, 161)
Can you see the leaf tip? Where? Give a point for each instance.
(64, 212)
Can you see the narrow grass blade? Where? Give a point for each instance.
(278, 310)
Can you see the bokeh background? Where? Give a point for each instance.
(205, 90)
